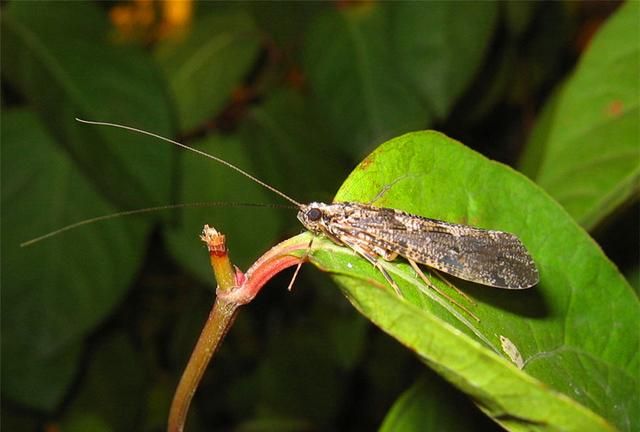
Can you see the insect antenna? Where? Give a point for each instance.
(142, 211)
(200, 152)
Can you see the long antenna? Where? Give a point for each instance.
(200, 152)
(141, 211)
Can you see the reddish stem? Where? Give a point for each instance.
(234, 290)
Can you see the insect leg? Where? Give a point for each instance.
(373, 259)
(432, 286)
(302, 260)
(389, 279)
(445, 280)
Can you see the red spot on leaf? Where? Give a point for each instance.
(615, 108)
(367, 161)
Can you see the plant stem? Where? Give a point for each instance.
(234, 290)
(218, 323)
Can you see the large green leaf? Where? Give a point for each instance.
(437, 48)
(350, 64)
(576, 330)
(205, 66)
(589, 146)
(55, 291)
(78, 73)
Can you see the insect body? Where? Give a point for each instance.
(492, 258)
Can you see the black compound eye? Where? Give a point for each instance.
(314, 215)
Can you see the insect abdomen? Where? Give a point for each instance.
(492, 258)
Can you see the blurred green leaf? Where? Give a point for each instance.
(77, 73)
(82, 422)
(431, 404)
(290, 147)
(56, 291)
(274, 424)
(438, 50)
(38, 380)
(249, 230)
(355, 81)
(558, 326)
(534, 152)
(286, 21)
(518, 15)
(206, 65)
(544, 56)
(158, 404)
(296, 378)
(310, 345)
(590, 150)
(490, 87)
(388, 368)
(112, 388)
(347, 336)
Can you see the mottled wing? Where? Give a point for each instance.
(493, 258)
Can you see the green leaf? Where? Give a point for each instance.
(249, 230)
(437, 48)
(204, 67)
(113, 386)
(518, 15)
(534, 152)
(307, 357)
(284, 384)
(77, 73)
(81, 422)
(575, 330)
(590, 154)
(274, 424)
(347, 337)
(56, 291)
(283, 132)
(352, 73)
(286, 22)
(431, 404)
(37, 380)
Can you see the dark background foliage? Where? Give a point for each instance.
(97, 323)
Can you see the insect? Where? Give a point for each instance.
(493, 258)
